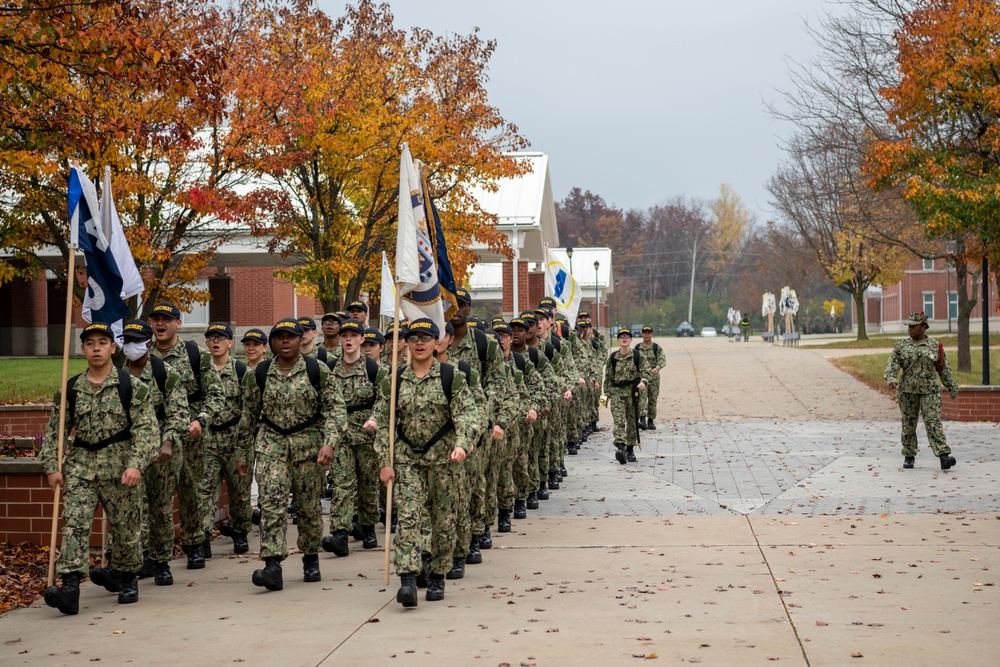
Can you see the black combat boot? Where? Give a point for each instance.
(543, 492)
(425, 568)
(620, 454)
(475, 556)
(630, 455)
(563, 472)
(650, 426)
(520, 510)
(457, 570)
(226, 528)
(255, 516)
(196, 556)
(571, 448)
(206, 547)
(337, 543)
(907, 461)
(369, 540)
(148, 568)
(532, 502)
(435, 588)
(65, 598)
(642, 423)
(356, 529)
(240, 544)
(947, 461)
(270, 576)
(310, 568)
(554, 480)
(407, 594)
(129, 592)
(108, 577)
(503, 521)
(486, 540)
(163, 576)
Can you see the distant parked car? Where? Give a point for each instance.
(636, 330)
(684, 329)
(709, 332)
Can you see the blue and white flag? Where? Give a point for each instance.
(95, 228)
(446, 277)
(416, 272)
(561, 286)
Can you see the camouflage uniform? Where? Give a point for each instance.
(159, 480)
(204, 402)
(656, 358)
(426, 484)
(915, 367)
(220, 458)
(618, 380)
(513, 463)
(355, 467)
(93, 478)
(287, 463)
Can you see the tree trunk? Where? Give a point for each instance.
(965, 304)
(859, 304)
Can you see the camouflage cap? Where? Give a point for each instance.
(916, 318)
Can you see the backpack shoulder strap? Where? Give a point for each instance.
(635, 359)
(312, 370)
(481, 345)
(159, 373)
(614, 362)
(519, 361)
(125, 393)
(71, 395)
(241, 371)
(656, 348)
(194, 358)
(448, 376)
(321, 354)
(371, 366)
(533, 355)
(260, 372)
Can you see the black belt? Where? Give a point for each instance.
(120, 436)
(224, 425)
(363, 406)
(623, 384)
(295, 429)
(448, 427)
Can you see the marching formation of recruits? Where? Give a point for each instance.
(486, 415)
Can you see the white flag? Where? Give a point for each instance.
(387, 300)
(411, 212)
(561, 286)
(833, 312)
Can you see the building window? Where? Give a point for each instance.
(928, 265)
(929, 305)
(953, 305)
(198, 312)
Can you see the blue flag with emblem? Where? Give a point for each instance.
(446, 278)
(561, 286)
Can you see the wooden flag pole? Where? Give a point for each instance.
(392, 428)
(70, 279)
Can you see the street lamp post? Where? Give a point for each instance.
(618, 314)
(569, 256)
(597, 295)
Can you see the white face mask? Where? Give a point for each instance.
(135, 351)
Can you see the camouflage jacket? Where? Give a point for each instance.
(287, 402)
(657, 358)
(99, 415)
(360, 396)
(211, 402)
(231, 406)
(915, 367)
(421, 410)
(492, 377)
(522, 397)
(174, 404)
(620, 375)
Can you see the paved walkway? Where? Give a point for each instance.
(767, 520)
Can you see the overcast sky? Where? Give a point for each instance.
(638, 101)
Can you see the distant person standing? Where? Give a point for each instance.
(656, 358)
(745, 328)
(625, 374)
(914, 367)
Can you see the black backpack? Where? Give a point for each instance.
(635, 360)
(194, 358)
(124, 395)
(447, 380)
(312, 370)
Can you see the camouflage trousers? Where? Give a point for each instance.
(465, 480)
(519, 471)
(189, 489)
(648, 398)
(911, 405)
(220, 464)
(427, 501)
(122, 505)
(555, 441)
(483, 507)
(356, 486)
(623, 414)
(276, 478)
(157, 486)
(507, 450)
(534, 447)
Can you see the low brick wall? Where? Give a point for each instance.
(26, 505)
(974, 404)
(24, 421)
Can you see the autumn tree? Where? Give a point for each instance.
(330, 102)
(945, 155)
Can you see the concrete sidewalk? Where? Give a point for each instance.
(766, 520)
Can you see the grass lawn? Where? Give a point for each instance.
(33, 380)
(881, 341)
(869, 368)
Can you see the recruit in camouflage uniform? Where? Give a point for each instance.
(620, 378)
(657, 359)
(102, 465)
(159, 480)
(355, 465)
(915, 364)
(426, 471)
(525, 470)
(220, 455)
(204, 393)
(294, 429)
